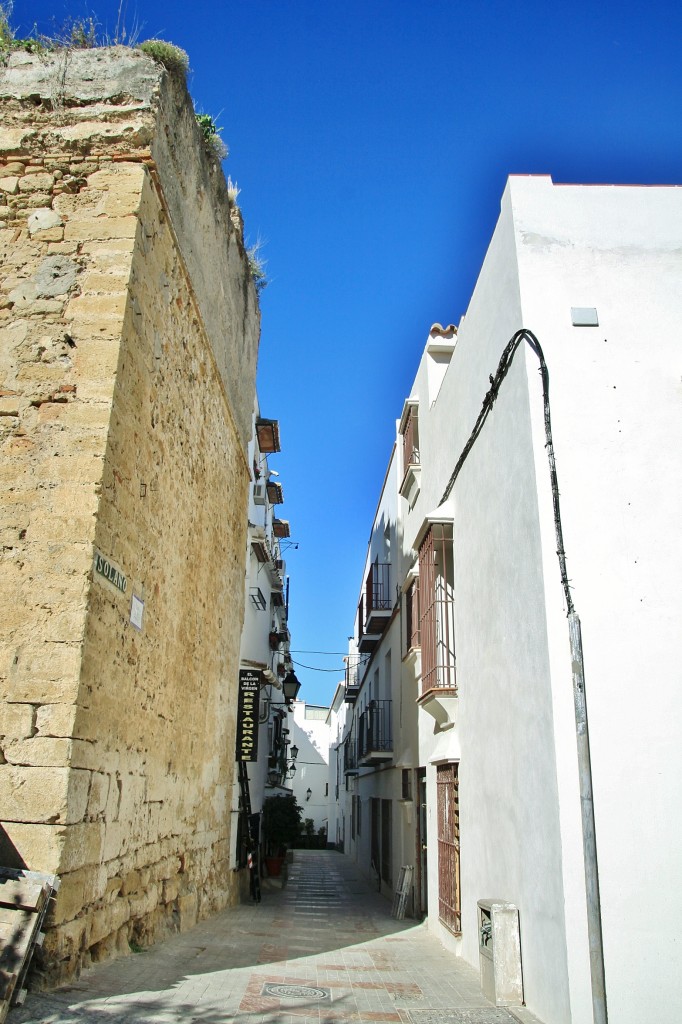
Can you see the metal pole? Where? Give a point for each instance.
(594, 931)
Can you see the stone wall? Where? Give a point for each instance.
(123, 388)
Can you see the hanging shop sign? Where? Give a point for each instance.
(106, 568)
(247, 714)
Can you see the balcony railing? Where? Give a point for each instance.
(352, 683)
(375, 741)
(350, 755)
(378, 603)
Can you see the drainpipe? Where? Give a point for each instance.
(594, 930)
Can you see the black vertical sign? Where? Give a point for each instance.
(247, 714)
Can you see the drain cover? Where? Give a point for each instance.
(482, 1015)
(296, 992)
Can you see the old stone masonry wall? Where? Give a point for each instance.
(125, 393)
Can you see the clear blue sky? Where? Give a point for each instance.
(372, 141)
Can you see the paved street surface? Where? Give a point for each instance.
(322, 949)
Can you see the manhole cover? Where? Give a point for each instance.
(296, 992)
(482, 1015)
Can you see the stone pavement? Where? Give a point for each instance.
(321, 949)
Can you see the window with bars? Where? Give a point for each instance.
(449, 894)
(436, 609)
(411, 439)
(412, 614)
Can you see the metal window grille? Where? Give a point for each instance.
(449, 895)
(436, 609)
(411, 440)
(412, 615)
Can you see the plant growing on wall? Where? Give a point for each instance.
(211, 133)
(257, 265)
(172, 57)
(9, 41)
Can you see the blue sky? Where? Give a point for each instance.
(372, 141)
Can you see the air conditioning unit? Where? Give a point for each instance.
(259, 494)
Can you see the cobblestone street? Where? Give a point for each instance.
(321, 948)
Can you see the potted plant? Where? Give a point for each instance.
(281, 828)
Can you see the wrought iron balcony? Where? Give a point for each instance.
(352, 683)
(376, 736)
(378, 603)
(350, 756)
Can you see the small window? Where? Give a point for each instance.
(407, 784)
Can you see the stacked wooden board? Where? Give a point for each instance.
(402, 892)
(24, 901)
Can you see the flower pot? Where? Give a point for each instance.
(274, 866)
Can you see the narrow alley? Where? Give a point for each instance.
(322, 947)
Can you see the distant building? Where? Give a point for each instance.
(310, 783)
(460, 750)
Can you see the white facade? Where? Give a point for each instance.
(380, 754)
(265, 640)
(310, 783)
(560, 255)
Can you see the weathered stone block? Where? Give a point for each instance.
(39, 793)
(83, 843)
(170, 890)
(55, 720)
(12, 140)
(43, 219)
(78, 889)
(9, 185)
(95, 307)
(40, 182)
(65, 943)
(16, 720)
(99, 793)
(43, 752)
(187, 911)
(101, 229)
(114, 281)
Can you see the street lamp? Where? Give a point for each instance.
(290, 687)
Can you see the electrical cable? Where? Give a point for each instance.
(340, 654)
(495, 381)
(594, 923)
(312, 668)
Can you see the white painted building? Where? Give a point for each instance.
(310, 783)
(265, 641)
(595, 272)
(338, 811)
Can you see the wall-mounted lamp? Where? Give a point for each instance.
(308, 793)
(290, 687)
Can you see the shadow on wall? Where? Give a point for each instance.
(9, 855)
